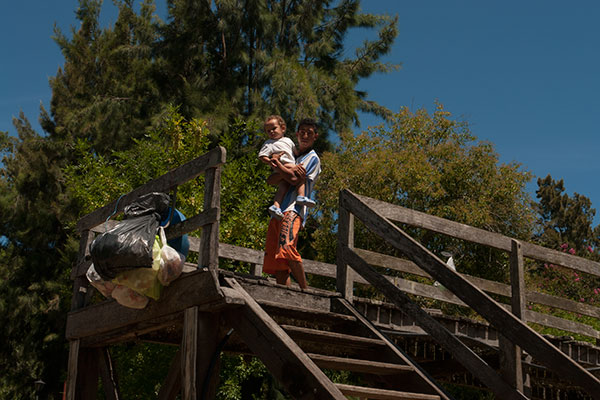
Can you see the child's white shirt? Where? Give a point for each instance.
(283, 145)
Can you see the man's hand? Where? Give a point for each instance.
(300, 172)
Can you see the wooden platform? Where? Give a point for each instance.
(395, 349)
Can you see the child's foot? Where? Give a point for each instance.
(305, 201)
(275, 212)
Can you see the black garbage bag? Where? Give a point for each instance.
(129, 244)
(148, 204)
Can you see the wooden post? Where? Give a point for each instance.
(344, 274)
(81, 295)
(72, 369)
(256, 269)
(82, 378)
(209, 241)
(200, 341)
(510, 355)
(79, 299)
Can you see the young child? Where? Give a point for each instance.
(282, 148)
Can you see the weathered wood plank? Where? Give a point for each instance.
(164, 183)
(196, 288)
(358, 365)
(382, 394)
(344, 275)
(199, 344)
(206, 217)
(512, 328)
(72, 368)
(402, 265)
(87, 374)
(327, 337)
(302, 313)
(510, 354)
(132, 332)
(286, 361)
(561, 323)
(208, 255)
(476, 235)
(459, 350)
(189, 348)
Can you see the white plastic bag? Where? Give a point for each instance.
(128, 297)
(104, 287)
(171, 261)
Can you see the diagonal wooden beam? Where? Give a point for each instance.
(281, 355)
(458, 349)
(510, 326)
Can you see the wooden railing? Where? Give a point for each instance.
(354, 265)
(208, 164)
(377, 217)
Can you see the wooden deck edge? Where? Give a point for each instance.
(195, 289)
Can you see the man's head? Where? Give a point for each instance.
(274, 127)
(307, 134)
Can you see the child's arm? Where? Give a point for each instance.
(293, 174)
(265, 159)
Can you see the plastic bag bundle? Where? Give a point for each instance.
(148, 204)
(129, 298)
(129, 244)
(143, 280)
(171, 261)
(104, 287)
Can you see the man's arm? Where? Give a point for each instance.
(294, 175)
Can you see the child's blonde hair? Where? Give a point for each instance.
(279, 119)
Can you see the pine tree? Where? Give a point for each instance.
(105, 93)
(563, 219)
(216, 59)
(259, 57)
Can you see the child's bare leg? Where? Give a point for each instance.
(300, 189)
(282, 188)
(302, 199)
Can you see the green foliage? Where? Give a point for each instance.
(145, 366)
(565, 220)
(245, 195)
(105, 93)
(428, 162)
(99, 179)
(247, 378)
(110, 128)
(254, 58)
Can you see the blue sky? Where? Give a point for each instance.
(524, 74)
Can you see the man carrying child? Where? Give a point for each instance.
(281, 255)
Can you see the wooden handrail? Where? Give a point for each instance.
(164, 183)
(480, 236)
(504, 321)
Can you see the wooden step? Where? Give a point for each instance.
(356, 365)
(307, 314)
(333, 338)
(382, 394)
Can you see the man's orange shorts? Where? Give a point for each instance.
(282, 237)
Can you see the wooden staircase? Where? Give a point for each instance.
(302, 337)
(329, 334)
